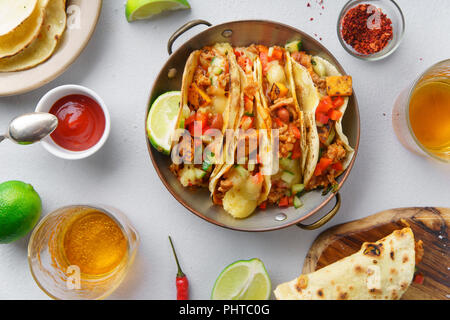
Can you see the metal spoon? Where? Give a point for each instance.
(30, 128)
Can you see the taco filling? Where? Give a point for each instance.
(205, 107)
(279, 97)
(329, 153)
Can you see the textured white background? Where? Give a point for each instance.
(121, 62)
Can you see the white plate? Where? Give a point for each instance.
(82, 17)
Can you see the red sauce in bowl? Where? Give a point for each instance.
(81, 122)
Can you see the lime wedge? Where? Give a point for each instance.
(243, 280)
(162, 119)
(144, 9)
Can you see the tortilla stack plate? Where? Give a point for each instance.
(82, 17)
(430, 225)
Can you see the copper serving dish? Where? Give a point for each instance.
(242, 33)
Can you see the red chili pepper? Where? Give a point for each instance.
(182, 281)
(419, 278)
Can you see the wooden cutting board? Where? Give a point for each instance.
(431, 225)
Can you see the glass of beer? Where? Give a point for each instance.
(82, 252)
(421, 114)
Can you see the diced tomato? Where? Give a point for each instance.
(284, 202)
(297, 56)
(278, 122)
(243, 61)
(195, 127)
(418, 278)
(264, 60)
(197, 123)
(297, 151)
(189, 120)
(337, 166)
(334, 114)
(323, 164)
(263, 205)
(295, 131)
(338, 102)
(247, 122)
(248, 104)
(325, 105)
(322, 118)
(291, 201)
(237, 53)
(258, 178)
(263, 55)
(277, 54)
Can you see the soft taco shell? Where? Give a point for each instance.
(44, 45)
(22, 36)
(309, 98)
(240, 206)
(13, 13)
(378, 271)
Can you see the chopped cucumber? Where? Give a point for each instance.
(294, 46)
(330, 137)
(181, 126)
(286, 163)
(297, 188)
(287, 177)
(297, 202)
(199, 174)
(318, 67)
(208, 162)
(190, 175)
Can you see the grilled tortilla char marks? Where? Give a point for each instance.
(356, 276)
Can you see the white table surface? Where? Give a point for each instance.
(121, 62)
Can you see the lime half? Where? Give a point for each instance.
(243, 280)
(162, 119)
(144, 9)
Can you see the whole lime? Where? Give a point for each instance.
(20, 209)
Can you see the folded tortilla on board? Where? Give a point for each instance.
(382, 270)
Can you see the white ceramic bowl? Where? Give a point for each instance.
(49, 99)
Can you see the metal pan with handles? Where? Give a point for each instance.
(243, 33)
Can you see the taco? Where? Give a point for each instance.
(382, 270)
(243, 185)
(323, 94)
(277, 92)
(210, 99)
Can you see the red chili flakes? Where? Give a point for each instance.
(367, 29)
(311, 19)
(308, 4)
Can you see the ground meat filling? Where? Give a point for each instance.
(336, 152)
(305, 60)
(287, 138)
(277, 191)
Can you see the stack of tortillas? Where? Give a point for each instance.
(30, 31)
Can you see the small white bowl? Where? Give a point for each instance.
(50, 98)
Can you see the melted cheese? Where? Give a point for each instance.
(219, 103)
(275, 73)
(242, 199)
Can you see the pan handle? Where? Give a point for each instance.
(183, 29)
(325, 218)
